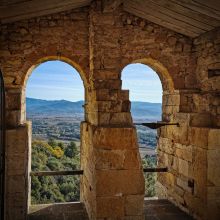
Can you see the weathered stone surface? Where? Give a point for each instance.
(214, 167)
(115, 138)
(110, 206)
(119, 182)
(134, 205)
(199, 137)
(110, 159)
(184, 152)
(214, 139)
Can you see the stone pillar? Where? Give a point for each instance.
(113, 181)
(17, 171)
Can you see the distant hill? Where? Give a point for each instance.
(50, 108)
(140, 110)
(146, 111)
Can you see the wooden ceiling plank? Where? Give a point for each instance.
(148, 9)
(214, 4)
(179, 16)
(156, 20)
(199, 8)
(40, 13)
(189, 13)
(35, 5)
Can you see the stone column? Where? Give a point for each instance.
(17, 171)
(113, 181)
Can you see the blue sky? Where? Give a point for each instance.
(56, 80)
(142, 82)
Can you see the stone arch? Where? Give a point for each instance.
(60, 58)
(39, 62)
(162, 72)
(28, 136)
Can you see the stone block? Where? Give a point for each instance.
(121, 118)
(13, 101)
(199, 173)
(102, 95)
(107, 84)
(168, 179)
(183, 167)
(134, 205)
(115, 138)
(119, 182)
(179, 134)
(183, 183)
(123, 95)
(109, 159)
(17, 164)
(166, 145)
(106, 74)
(199, 137)
(103, 118)
(213, 157)
(110, 207)
(132, 160)
(13, 118)
(171, 100)
(214, 139)
(185, 153)
(17, 140)
(102, 106)
(201, 120)
(16, 184)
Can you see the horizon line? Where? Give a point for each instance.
(84, 100)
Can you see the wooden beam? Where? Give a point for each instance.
(57, 173)
(142, 9)
(185, 15)
(155, 169)
(35, 8)
(214, 4)
(194, 15)
(110, 5)
(159, 13)
(201, 8)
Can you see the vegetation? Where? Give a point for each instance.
(150, 178)
(53, 156)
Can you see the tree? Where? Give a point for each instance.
(71, 150)
(52, 142)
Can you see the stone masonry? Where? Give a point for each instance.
(99, 45)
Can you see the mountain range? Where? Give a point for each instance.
(139, 110)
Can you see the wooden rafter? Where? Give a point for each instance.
(35, 8)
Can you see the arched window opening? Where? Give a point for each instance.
(54, 99)
(145, 92)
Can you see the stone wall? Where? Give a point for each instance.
(23, 46)
(99, 45)
(192, 151)
(208, 102)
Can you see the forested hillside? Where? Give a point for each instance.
(54, 156)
